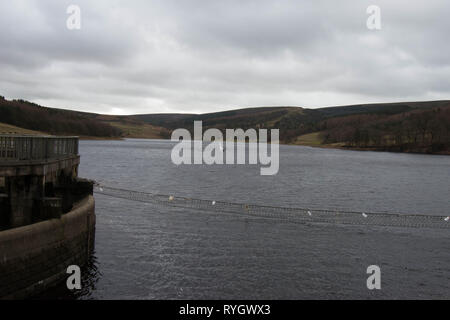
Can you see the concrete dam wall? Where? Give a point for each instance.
(36, 257)
(47, 214)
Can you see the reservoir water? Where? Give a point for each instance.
(145, 251)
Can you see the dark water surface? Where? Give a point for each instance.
(149, 252)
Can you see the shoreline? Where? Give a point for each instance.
(101, 138)
(374, 149)
(323, 146)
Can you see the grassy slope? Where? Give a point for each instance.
(309, 139)
(138, 130)
(131, 127)
(19, 116)
(315, 139)
(9, 129)
(243, 117)
(34, 117)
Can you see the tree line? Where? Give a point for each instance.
(421, 130)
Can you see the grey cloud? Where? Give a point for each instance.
(201, 56)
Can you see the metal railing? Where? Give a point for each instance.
(23, 148)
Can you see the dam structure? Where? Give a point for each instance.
(47, 213)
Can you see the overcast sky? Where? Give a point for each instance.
(203, 56)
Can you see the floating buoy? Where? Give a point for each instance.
(171, 198)
(364, 215)
(213, 203)
(101, 189)
(447, 219)
(309, 213)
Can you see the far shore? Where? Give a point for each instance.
(338, 146)
(102, 138)
(377, 149)
(307, 140)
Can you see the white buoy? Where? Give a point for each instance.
(364, 215)
(101, 189)
(309, 213)
(447, 219)
(171, 198)
(213, 203)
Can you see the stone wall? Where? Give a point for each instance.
(35, 257)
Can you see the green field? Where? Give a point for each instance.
(138, 130)
(310, 139)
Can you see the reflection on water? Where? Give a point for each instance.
(144, 251)
(90, 275)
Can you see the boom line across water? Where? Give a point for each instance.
(283, 214)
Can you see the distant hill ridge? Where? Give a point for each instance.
(403, 126)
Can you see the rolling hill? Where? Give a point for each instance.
(33, 117)
(405, 127)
